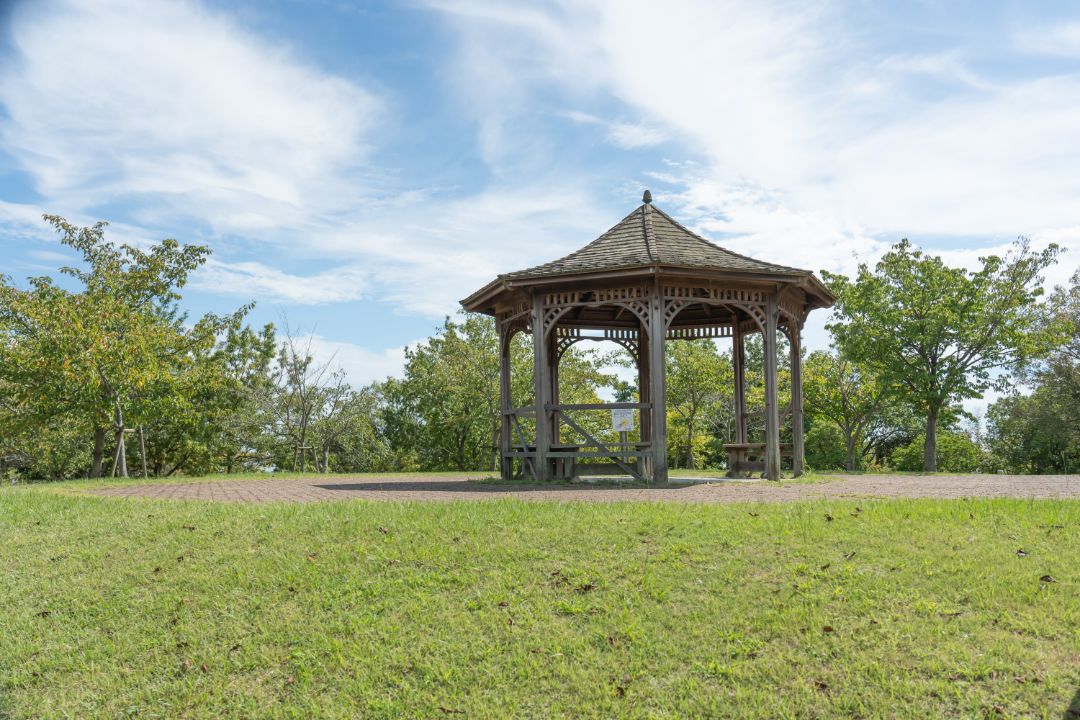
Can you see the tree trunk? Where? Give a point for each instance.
(689, 445)
(930, 448)
(850, 464)
(303, 448)
(326, 458)
(120, 466)
(99, 453)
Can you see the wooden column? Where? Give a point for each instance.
(644, 393)
(553, 391)
(658, 385)
(772, 401)
(541, 387)
(798, 446)
(738, 363)
(506, 462)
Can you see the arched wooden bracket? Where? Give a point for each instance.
(626, 338)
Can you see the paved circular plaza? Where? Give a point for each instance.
(469, 487)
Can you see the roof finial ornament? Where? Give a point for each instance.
(647, 198)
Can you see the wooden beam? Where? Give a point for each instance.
(798, 457)
(738, 363)
(772, 401)
(658, 384)
(506, 462)
(541, 386)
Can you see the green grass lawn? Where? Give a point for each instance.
(118, 607)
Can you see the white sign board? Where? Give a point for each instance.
(622, 420)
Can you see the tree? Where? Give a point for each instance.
(306, 396)
(114, 353)
(944, 334)
(699, 386)
(1040, 432)
(854, 400)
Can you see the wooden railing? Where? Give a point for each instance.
(628, 456)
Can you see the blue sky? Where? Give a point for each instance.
(359, 167)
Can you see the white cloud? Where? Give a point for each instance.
(630, 136)
(790, 99)
(177, 107)
(1060, 39)
(625, 135)
(361, 365)
(256, 280)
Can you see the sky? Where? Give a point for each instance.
(359, 167)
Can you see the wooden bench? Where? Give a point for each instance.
(745, 458)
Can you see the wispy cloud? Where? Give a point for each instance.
(254, 279)
(176, 107)
(789, 98)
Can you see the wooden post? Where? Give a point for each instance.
(772, 401)
(738, 362)
(553, 392)
(658, 385)
(541, 386)
(644, 393)
(506, 461)
(798, 446)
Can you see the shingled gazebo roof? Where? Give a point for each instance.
(647, 240)
(649, 236)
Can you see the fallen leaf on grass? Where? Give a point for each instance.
(204, 668)
(828, 517)
(384, 531)
(828, 629)
(822, 686)
(189, 527)
(43, 613)
(753, 514)
(235, 647)
(587, 587)
(450, 711)
(1048, 579)
(826, 566)
(1021, 553)
(848, 556)
(157, 569)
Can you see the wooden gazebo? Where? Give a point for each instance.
(643, 282)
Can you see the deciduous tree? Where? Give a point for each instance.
(940, 333)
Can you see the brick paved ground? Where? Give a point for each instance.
(312, 489)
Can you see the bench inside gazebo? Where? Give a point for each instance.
(644, 282)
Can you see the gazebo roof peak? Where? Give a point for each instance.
(648, 240)
(649, 236)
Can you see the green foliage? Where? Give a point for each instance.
(856, 402)
(1040, 432)
(825, 447)
(939, 334)
(699, 401)
(956, 452)
(114, 354)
